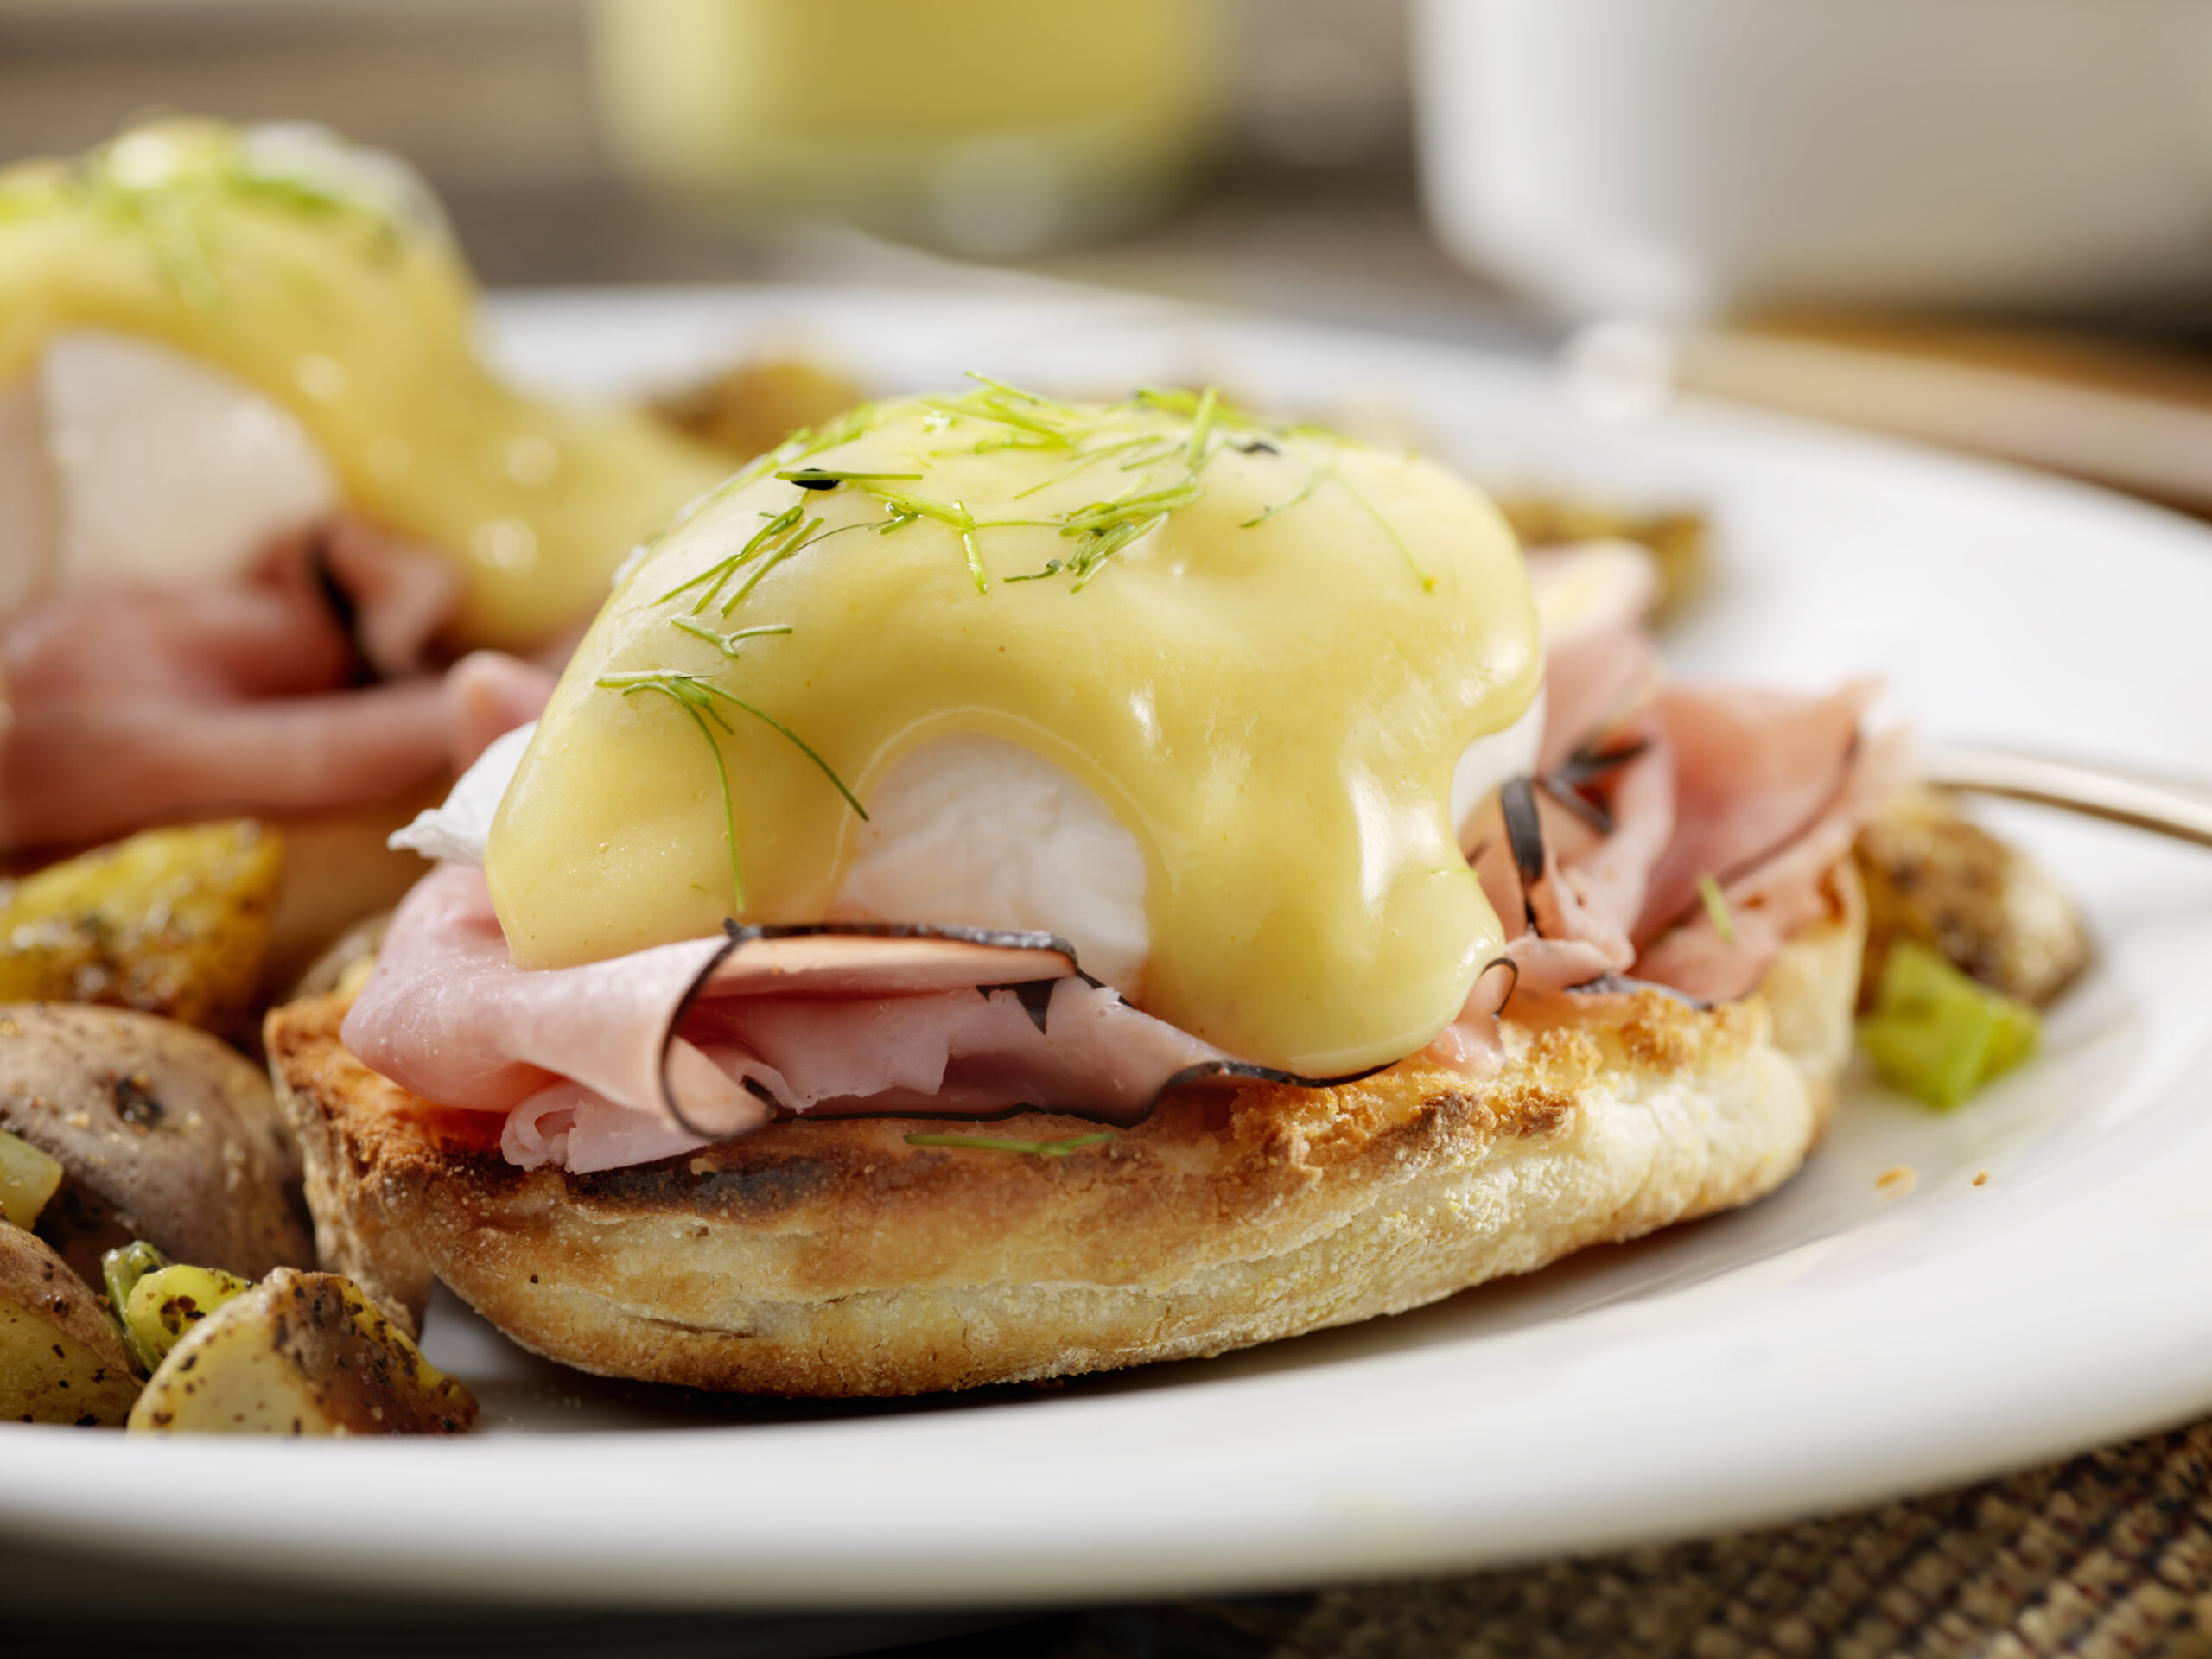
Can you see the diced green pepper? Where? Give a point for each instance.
(120, 1272)
(169, 1302)
(28, 1179)
(1937, 1035)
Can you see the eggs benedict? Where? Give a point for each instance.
(1184, 793)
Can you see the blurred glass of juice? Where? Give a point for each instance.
(992, 127)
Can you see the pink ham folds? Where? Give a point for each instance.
(664, 1050)
(304, 688)
(1597, 866)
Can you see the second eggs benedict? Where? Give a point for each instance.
(243, 427)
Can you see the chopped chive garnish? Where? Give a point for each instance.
(1151, 453)
(1201, 428)
(726, 643)
(697, 696)
(802, 537)
(1174, 399)
(991, 1143)
(767, 536)
(975, 553)
(1038, 398)
(821, 478)
(692, 706)
(906, 506)
(991, 409)
(1097, 454)
(1716, 908)
(1427, 581)
(1313, 480)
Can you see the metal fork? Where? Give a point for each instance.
(2170, 806)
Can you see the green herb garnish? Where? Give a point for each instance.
(697, 696)
(169, 184)
(906, 506)
(726, 643)
(1194, 455)
(1427, 581)
(1716, 908)
(1313, 480)
(821, 478)
(988, 1143)
(767, 536)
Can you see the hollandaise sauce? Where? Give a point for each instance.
(1261, 647)
(321, 276)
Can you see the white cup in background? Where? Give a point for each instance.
(1672, 158)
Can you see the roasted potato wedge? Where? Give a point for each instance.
(28, 1179)
(346, 960)
(174, 922)
(61, 1360)
(1677, 540)
(1993, 913)
(163, 1133)
(301, 1353)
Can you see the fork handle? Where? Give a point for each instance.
(2168, 806)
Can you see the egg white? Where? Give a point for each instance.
(123, 461)
(981, 832)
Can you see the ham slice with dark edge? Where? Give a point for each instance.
(1644, 790)
(1753, 769)
(1764, 798)
(670, 1047)
(127, 707)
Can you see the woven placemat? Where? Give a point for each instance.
(2109, 1555)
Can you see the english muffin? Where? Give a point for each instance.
(832, 1258)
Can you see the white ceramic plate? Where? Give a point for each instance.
(1831, 1346)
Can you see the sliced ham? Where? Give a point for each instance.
(1599, 662)
(401, 596)
(131, 705)
(93, 770)
(665, 1047)
(448, 1015)
(1779, 895)
(1647, 789)
(1077, 1047)
(487, 695)
(1753, 769)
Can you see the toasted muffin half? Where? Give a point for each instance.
(831, 1258)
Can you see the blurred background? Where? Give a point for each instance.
(1986, 223)
(1253, 151)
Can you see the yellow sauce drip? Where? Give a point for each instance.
(1273, 709)
(358, 320)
